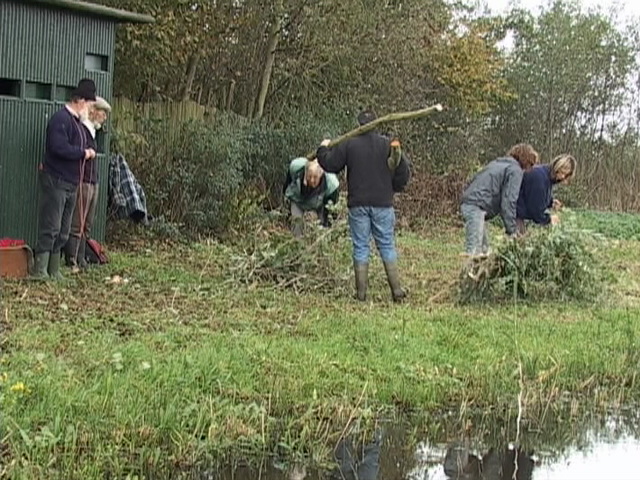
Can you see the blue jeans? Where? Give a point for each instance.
(376, 221)
(475, 229)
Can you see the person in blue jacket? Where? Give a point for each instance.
(536, 195)
(67, 150)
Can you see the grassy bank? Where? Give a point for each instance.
(161, 359)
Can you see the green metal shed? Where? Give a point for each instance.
(46, 46)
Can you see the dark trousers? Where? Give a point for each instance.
(55, 211)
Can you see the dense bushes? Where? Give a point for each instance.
(198, 174)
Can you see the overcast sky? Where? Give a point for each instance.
(629, 9)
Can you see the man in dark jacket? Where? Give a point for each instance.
(494, 191)
(371, 185)
(66, 149)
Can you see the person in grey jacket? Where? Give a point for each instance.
(494, 191)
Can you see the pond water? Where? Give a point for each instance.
(601, 447)
(601, 454)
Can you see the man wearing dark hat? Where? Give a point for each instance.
(371, 183)
(66, 150)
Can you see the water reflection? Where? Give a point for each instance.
(603, 457)
(602, 448)
(354, 465)
(497, 464)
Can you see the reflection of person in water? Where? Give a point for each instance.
(459, 464)
(350, 467)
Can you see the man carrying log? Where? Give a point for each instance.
(372, 180)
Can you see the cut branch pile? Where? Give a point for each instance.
(560, 263)
(318, 262)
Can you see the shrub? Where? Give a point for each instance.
(193, 174)
(200, 174)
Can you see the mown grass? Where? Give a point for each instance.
(180, 364)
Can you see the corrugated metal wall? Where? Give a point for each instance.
(44, 46)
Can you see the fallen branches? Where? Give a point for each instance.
(558, 263)
(314, 263)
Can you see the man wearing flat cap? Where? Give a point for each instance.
(87, 196)
(67, 149)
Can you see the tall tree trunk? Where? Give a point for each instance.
(192, 66)
(251, 106)
(274, 36)
(232, 91)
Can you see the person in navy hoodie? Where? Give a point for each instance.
(536, 196)
(66, 150)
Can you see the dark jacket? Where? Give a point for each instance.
(536, 195)
(370, 182)
(495, 190)
(90, 174)
(66, 141)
